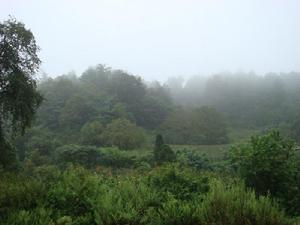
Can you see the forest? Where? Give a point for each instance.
(107, 147)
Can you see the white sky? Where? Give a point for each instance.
(160, 38)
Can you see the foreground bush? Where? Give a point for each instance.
(19, 192)
(234, 205)
(167, 195)
(269, 165)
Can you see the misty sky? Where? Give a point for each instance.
(160, 38)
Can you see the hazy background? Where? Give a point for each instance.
(161, 38)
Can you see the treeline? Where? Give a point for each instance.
(245, 99)
(103, 105)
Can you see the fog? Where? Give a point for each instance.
(158, 39)
(149, 112)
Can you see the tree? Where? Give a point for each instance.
(19, 97)
(269, 165)
(76, 112)
(202, 125)
(91, 133)
(123, 134)
(162, 152)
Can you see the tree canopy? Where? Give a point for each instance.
(19, 97)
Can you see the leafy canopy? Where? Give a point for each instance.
(19, 98)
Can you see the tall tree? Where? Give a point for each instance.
(19, 97)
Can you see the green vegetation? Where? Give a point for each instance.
(269, 165)
(107, 148)
(162, 152)
(19, 97)
(166, 195)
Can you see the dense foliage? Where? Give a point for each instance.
(202, 125)
(102, 103)
(269, 164)
(91, 156)
(18, 95)
(245, 99)
(167, 195)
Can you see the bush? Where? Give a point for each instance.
(163, 152)
(194, 159)
(202, 125)
(91, 133)
(39, 216)
(268, 164)
(183, 183)
(123, 134)
(234, 205)
(126, 202)
(72, 194)
(113, 157)
(19, 192)
(87, 156)
(168, 195)
(8, 155)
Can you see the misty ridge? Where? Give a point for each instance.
(245, 99)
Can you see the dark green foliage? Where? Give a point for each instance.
(71, 195)
(181, 182)
(116, 158)
(8, 154)
(167, 195)
(195, 126)
(91, 157)
(83, 155)
(233, 204)
(56, 93)
(91, 133)
(195, 160)
(163, 152)
(76, 112)
(268, 164)
(19, 98)
(104, 95)
(123, 134)
(19, 192)
(37, 216)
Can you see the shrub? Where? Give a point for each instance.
(91, 133)
(168, 195)
(234, 205)
(182, 183)
(163, 152)
(113, 157)
(202, 125)
(194, 159)
(72, 193)
(19, 192)
(123, 134)
(38, 216)
(83, 155)
(126, 202)
(268, 165)
(174, 212)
